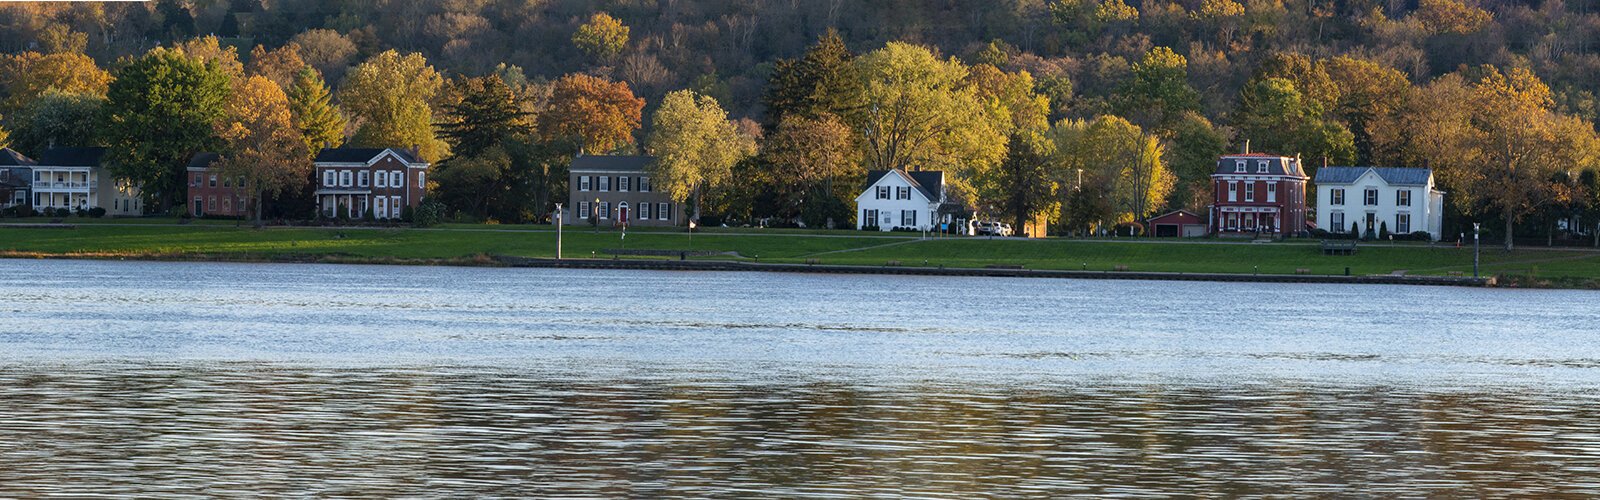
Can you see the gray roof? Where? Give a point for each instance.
(930, 182)
(360, 155)
(71, 157)
(1395, 176)
(611, 163)
(11, 158)
(1276, 165)
(202, 161)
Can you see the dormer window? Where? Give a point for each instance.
(1261, 167)
(1238, 166)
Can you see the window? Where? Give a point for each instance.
(1402, 223)
(622, 184)
(397, 179)
(394, 207)
(327, 178)
(644, 184)
(1233, 191)
(1261, 167)
(227, 182)
(213, 180)
(583, 209)
(344, 178)
(1402, 198)
(605, 209)
(663, 211)
(908, 218)
(1371, 197)
(227, 204)
(883, 192)
(1250, 191)
(361, 178)
(1337, 197)
(1238, 166)
(644, 211)
(605, 183)
(1272, 192)
(583, 183)
(198, 180)
(422, 180)
(902, 193)
(211, 204)
(380, 180)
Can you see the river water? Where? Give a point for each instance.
(174, 379)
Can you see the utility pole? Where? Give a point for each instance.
(558, 231)
(1475, 248)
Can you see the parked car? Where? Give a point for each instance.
(991, 228)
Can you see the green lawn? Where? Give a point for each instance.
(220, 238)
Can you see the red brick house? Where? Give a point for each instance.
(353, 182)
(213, 195)
(1258, 194)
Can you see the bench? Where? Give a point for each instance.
(1302, 270)
(813, 262)
(1338, 247)
(892, 263)
(1120, 268)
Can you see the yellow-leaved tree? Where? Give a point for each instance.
(695, 146)
(262, 147)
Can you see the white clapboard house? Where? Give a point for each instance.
(1369, 198)
(900, 199)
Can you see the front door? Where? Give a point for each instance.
(1372, 221)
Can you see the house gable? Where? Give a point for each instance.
(894, 179)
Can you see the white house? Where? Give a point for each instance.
(1404, 199)
(897, 198)
(75, 179)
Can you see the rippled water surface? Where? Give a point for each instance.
(168, 379)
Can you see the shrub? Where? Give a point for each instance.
(1383, 230)
(62, 212)
(427, 214)
(871, 227)
(1321, 233)
(97, 212)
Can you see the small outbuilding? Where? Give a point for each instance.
(1181, 223)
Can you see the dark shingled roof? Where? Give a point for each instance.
(611, 163)
(202, 160)
(1395, 176)
(11, 158)
(71, 157)
(930, 182)
(360, 155)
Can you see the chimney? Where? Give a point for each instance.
(1247, 146)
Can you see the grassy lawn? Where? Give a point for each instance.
(147, 237)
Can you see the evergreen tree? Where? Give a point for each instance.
(311, 104)
(821, 81)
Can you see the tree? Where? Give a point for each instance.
(209, 49)
(321, 125)
(1193, 146)
(487, 113)
(486, 118)
(1010, 99)
(58, 119)
(807, 159)
(918, 112)
(695, 146)
(598, 114)
(24, 77)
(279, 65)
(326, 50)
(60, 39)
(603, 37)
(1028, 180)
(1450, 16)
(1275, 116)
(1368, 93)
(261, 144)
(391, 97)
(1124, 169)
(162, 108)
(823, 81)
(1158, 91)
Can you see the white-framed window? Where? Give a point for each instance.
(908, 218)
(1272, 192)
(361, 178)
(213, 180)
(394, 207)
(1336, 196)
(644, 184)
(663, 211)
(344, 178)
(211, 204)
(1250, 191)
(227, 182)
(328, 178)
(397, 179)
(1233, 191)
(1371, 197)
(605, 208)
(1238, 166)
(1402, 198)
(227, 205)
(605, 183)
(869, 217)
(381, 180)
(1261, 166)
(1402, 223)
(644, 210)
(422, 179)
(583, 183)
(622, 184)
(583, 210)
(902, 193)
(883, 192)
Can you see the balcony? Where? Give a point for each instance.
(64, 186)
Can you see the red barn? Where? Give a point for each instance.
(1182, 223)
(1258, 194)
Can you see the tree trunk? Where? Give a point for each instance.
(1510, 223)
(257, 201)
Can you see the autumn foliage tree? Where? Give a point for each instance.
(260, 142)
(695, 147)
(603, 37)
(814, 167)
(391, 96)
(598, 114)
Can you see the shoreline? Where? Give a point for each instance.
(485, 260)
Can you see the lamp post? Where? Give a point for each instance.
(1475, 248)
(594, 212)
(558, 231)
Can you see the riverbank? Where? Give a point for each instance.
(815, 251)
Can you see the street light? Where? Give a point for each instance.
(594, 212)
(1475, 248)
(558, 231)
